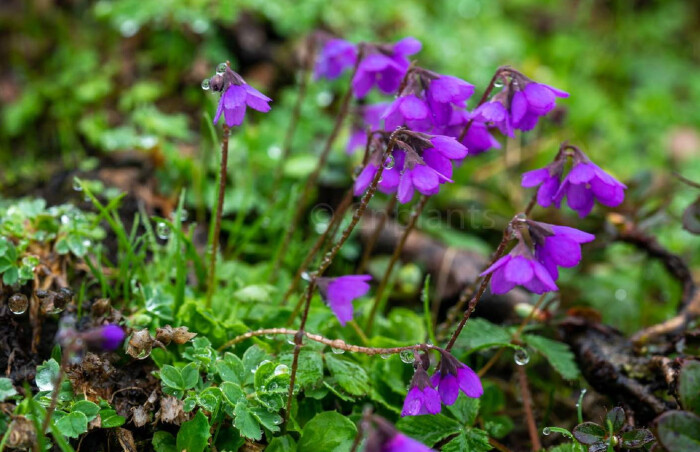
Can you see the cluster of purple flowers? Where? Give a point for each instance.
(535, 266)
(427, 394)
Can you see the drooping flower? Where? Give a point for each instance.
(532, 101)
(371, 117)
(390, 176)
(422, 398)
(477, 139)
(548, 179)
(453, 376)
(520, 268)
(383, 437)
(383, 65)
(496, 113)
(557, 245)
(418, 175)
(236, 96)
(410, 111)
(339, 293)
(336, 56)
(107, 337)
(585, 183)
(444, 93)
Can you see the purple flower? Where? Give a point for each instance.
(403, 443)
(496, 113)
(371, 117)
(422, 398)
(408, 110)
(390, 176)
(108, 337)
(533, 101)
(520, 268)
(339, 293)
(477, 140)
(557, 245)
(453, 376)
(384, 66)
(585, 183)
(548, 179)
(383, 437)
(236, 96)
(418, 175)
(445, 92)
(336, 56)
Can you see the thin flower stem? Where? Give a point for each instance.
(296, 111)
(484, 98)
(513, 338)
(214, 245)
(333, 343)
(369, 247)
(326, 262)
(527, 407)
(394, 257)
(313, 177)
(56, 388)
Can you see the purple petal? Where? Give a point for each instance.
(390, 180)
(389, 79)
(413, 402)
(499, 283)
(362, 83)
(547, 191)
(407, 46)
(449, 147)
(431, 400)
(535, 177)
(498, 264)
(582, 173)
(543, 275)
(364, 179)
(580, 199)
(562, 250)
(438, 162)
(257, 100)
(425, 179)
(572, 233)
(219, 110)
(412, 107)
(469, 382)
(448, 388)
(234, 97)
(405, 192)
(518, 106)
(403, 443)
(518, 270)
(234, 117)
(540, 98)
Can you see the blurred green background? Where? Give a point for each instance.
(83, 82)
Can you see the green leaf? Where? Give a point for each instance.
(232, 393)
(480, 333)
(194, 434)
(5, 264)
(259, 293)
(557, 353)
(678, 431)
(689, 386)
(230, 368)
(10, 276)
(270, 420)
(282, 444)
(7, 389)
(429, 429)
(190, 375)
(327, 432)
(88, 408)
(498, 425)
(110, 419)
(73, 424)
(465, 409)
(472, 440)
(210, 398)
(245, 422)
(616, 417)
(589, 433)
(635, 439)
(172, 377)
(46, 375)
(163, 442)
(309, 368)
(349, 375)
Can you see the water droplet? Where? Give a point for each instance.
(87, 243)
(206, 84)
(546, 431)
(620, 294)
(143, 354)
(385, 355)
(274, 152)
(128, 28)
(273, 387)
(277, 421)
(76, 185)
(521, 357)
(389, 162)
(199, 26)
(269, 336)
(18, 303)
(221, 68)
(324, 99)
(162, 231)
(65, 219)
(281, 370)
(305, 276)
(337, 351)
(321, 227)
(498, 83)
(407, 356)
(514, 84)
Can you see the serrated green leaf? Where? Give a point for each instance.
(557, 353)
(88, 408)
(73, 424)
(472, 440)
(190, 375)
(7, 389)
(194, 434)
(309, 369)
(245, 422)
(270, 420)
(172, 377)
(210, 398)
(110, 419)
(689, 386)
(480, 333)
(46, 375)
(465, 409)
(349, 375)
(429, 429)
(163, 442)
(327, 431)
(230, 368)
(232, 392)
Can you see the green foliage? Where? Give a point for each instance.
(7, 389)
(689, 386)
(194, 434)
(557, 353)
(327, 431)
(678, 431)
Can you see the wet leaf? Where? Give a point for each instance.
(689, 386)
(327, 431)
(636, 438)
(616, 417)
(589, 433)
(194, 434)
(678, 431)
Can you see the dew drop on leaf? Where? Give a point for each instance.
(162, 231)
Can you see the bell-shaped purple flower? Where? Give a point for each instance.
(236, 96)
(390, 176)
(531, 102)
(557, 245)
(444, 93)
(107, 337)
(495, 112)
(383, 437)
(339, 293)
(452, 377)
(477, 140)
(548, 179)
(585, 183)
(335, 57)
(418, 175)
(422, 398)
(410, 111)
(520, 268)
(384, 66)
(403, 443)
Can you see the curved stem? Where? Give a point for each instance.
(369, 247)
(214, 245)
(484, 98)
(394, 257)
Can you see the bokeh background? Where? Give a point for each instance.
(88, 86)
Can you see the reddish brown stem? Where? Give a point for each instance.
(219, 212)
(527, 407)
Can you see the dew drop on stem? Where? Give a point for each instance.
(407, 356)
(162, 230)
(521, 357)
(337, 351)
(206, 84)
(76, 185)
(221, 68)
(546, 431)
